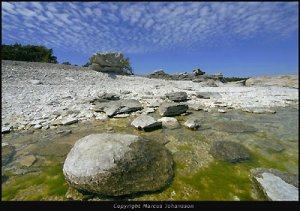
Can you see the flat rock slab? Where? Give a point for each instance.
(27, 160)
(234, 127)
(69, 121)
(192, 123)
(276, 185)
(229, 151)
(118, 164)
(259, 110)
(5, 129)
(146, 123)
(208, 95)
(172, 109)
(169, 122)
(177, 96)
(113, 108)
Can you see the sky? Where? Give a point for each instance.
(238, 39)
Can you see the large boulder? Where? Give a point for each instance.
(229, 151)
(172, 109)
(110, 63)
(177, 96)
(146, 123)
(276, 185)
(281, 81)
(118, 164)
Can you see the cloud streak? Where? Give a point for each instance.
(89, 27)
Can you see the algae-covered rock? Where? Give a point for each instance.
(229, 151)
(118, 164)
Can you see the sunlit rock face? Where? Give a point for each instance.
(118, 164)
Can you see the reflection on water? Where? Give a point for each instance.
(35, 169)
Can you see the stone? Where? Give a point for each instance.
(192, 123)
(234, 127)
(69, 121)
(195, 107)
(38, 126)
(7, 153)
(118, 107)
(104, 97)
(229, 151)
(172, 109)
(146, 123)
(118, 164)
(208, 95)
(169, 122)
(148, 110)
(221, 111)
(35, 82)
(5, 129)
(177, 96)
(121, 115)
(280, 81)
(276, 185)
(56, 122)
(259, 110)
(27, 160)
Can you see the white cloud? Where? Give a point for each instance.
(145, 26)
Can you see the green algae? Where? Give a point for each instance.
(49, 181)
(216, 181)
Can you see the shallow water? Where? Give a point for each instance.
(198, 176)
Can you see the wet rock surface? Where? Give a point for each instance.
(229, 151)
(276, 185)
(234, 127)
(118, 164)
(8, 152)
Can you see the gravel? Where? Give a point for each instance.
(66, 88)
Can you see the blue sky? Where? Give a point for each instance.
(241, 39)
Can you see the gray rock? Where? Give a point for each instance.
(69, 121)
(5, 129)
(118, 164)
(38, 126)
(169, 122)
(276, 185)
(104, 97)
(146, 123)
(35, 82)
(177, 96)
(172, 109)
(197, 72)
(229, 151)
(192, 123)
(27, 160)
(7, 153)
(118, 107)
(221, 111)
(234, 127)
(259, 110)
(208, 95)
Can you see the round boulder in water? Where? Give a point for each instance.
(118, 164)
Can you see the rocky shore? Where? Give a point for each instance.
(42, 96)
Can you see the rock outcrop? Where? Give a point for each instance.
(276, 185)
(110, 63)
(118, 164)
(281, 81)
